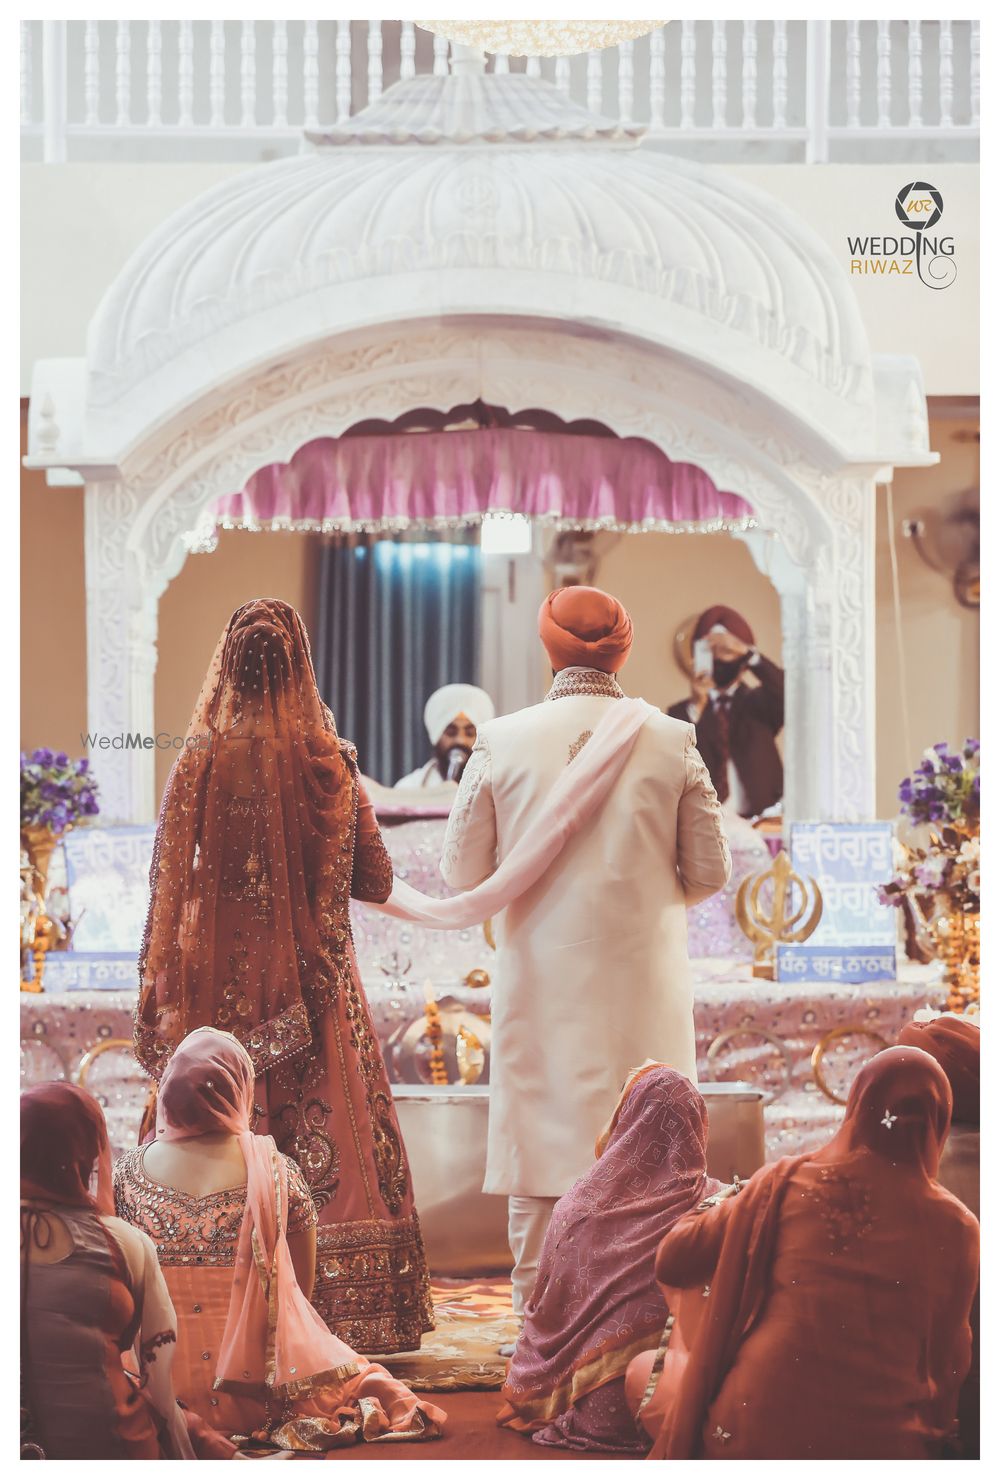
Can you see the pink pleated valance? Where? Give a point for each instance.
(451, 478)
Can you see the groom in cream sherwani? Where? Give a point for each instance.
(592, 972)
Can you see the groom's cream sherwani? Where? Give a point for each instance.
(592, 975)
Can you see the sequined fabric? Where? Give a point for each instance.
(196, 1240)
(198, 1231)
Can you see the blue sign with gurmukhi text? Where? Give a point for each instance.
(855, 940)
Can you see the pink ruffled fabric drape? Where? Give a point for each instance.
(579, 792)
(373, 481)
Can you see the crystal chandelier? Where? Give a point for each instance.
(539, 38)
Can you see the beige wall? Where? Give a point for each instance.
(664, 578)
(197, 605)
(53, 613)
(192, 614)
(940, 638)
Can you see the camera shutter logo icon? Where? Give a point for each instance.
(919, 205)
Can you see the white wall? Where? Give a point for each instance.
(80, 223)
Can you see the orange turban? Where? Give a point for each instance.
(954, 1042)
(582, 627)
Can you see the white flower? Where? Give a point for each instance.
(932, 756)
(970, 850)
(926, 1014)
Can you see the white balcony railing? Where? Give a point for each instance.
(765, 89)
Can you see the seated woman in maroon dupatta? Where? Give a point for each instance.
(91, 1294)
(954, 1042)
(235, 1230)
(265, 833)
(595, 1302)
(823, 1312)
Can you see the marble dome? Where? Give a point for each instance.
(492, 195)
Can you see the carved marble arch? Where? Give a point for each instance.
(813, 537)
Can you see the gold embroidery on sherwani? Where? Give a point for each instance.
(590, 681)
(578, 744)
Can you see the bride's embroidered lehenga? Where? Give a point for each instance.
(264, 834)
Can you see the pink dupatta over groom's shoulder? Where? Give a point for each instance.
(580, 792)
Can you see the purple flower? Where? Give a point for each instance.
(941, 747)
(906, 789)
(932, 871)
(888, 894)
(926, 768)
(62, 759)
(82, 766)
(43, 757)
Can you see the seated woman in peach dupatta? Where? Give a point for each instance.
(595, 1301)
(823, 1313)
(234, 1226)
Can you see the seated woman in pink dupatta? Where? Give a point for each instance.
(235, 1230)
(595, 1303)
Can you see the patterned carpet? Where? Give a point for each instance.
(472, 1321)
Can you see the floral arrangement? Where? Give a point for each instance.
(944, 788)
(56, 792)
(944, 792)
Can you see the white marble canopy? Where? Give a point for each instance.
(482, 236)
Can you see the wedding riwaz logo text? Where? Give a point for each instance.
(920, 251)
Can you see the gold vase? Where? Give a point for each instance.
(40, 843)
(955, 937)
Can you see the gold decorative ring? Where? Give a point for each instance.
(851, 1031)
(86, 1063)
(728, 1034)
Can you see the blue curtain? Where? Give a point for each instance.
(396, 621)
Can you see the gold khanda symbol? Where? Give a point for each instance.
(784, 923)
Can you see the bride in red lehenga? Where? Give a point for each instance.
(264, 834)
